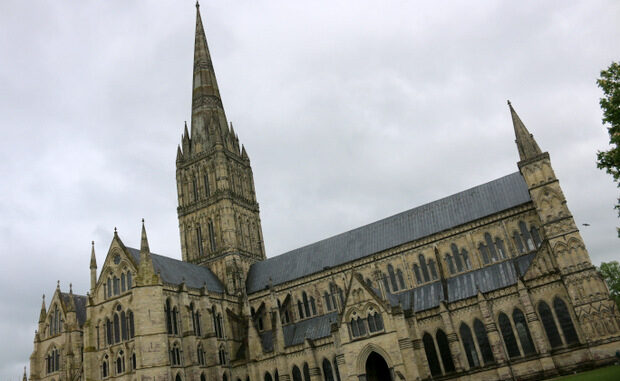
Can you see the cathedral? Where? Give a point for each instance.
(492, 283)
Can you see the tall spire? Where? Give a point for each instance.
(206, 98)
(144, 242)
(528, 148)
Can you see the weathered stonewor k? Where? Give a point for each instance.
(491, 283)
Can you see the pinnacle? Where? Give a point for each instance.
(526, 144)
(144, 243)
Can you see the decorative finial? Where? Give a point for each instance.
(143, 221)
(43, 298)
(115, 230)
(70, 288)
(92, 243)
(509, 104)
(197, 4)
(58, 284)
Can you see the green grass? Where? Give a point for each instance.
(610, 373)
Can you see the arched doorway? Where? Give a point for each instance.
(376, 368)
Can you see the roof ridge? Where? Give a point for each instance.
(393, 215)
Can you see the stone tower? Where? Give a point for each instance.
(218, 213)
(587, 290)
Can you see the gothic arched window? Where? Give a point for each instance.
(175, 355)
(549, 324)
(117, 330)
(523, 332)
(466, 262)
(296, 373)
(401, 279)
(457, 257)
(168, 313)
(304, 297)
(328, 302)
(104, 367)
(483, 342)
(484, 252)
(509, 337)
(129, 280)
(306, 372)
(206, 182)
(120, 363)
(469, 346)
(424, 268)
(431, 266)
(268, 377)
(124, 331)
(300, 309)
(566, 323)
(123, 284)
(109, 331)
(392, 276)
(490, 247)
(201, 355)
(312, 305)
(450, 264)
(175, 320)
(416, 272)
(201, 250)
(336, 370)
(328, 374)
(212, 236)
(431, 355)
(444, 351)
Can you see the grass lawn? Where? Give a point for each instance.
(610, 373)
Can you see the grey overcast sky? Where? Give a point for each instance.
(350, 111)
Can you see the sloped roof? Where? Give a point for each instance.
(176, 272)
(295, 333)
(465, 285)
(80, 305)
(478, 202)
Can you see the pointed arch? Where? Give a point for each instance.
(444, 351)
(483, 342)
(508, 335)
(424, 267)
(566, 323)
(431, 354)
(523, 332)
(551, 330)
(469, 346)
(306, 372)
(392, 276)
(296, 373)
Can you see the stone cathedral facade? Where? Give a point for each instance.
(492, 283)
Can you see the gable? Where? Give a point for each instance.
(475, 203)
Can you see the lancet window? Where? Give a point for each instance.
(211, 236)
(431, 354)
(120, 362)
(526, 240)
(566, 323)
(551, 329)
(195, 316)
(52, 360)
(55, 321)
(469, 346)
(492, 250)
(444, 351)
(375, 322)
(483, 342)
(200, 353)
(175, 355)
(104, 367)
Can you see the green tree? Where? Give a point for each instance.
(609, 160)
(611, 273)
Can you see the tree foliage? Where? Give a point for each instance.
(611, 273)
(609, 160)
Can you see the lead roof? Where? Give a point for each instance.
(472, 204)
(80, 305)
(173, 271)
